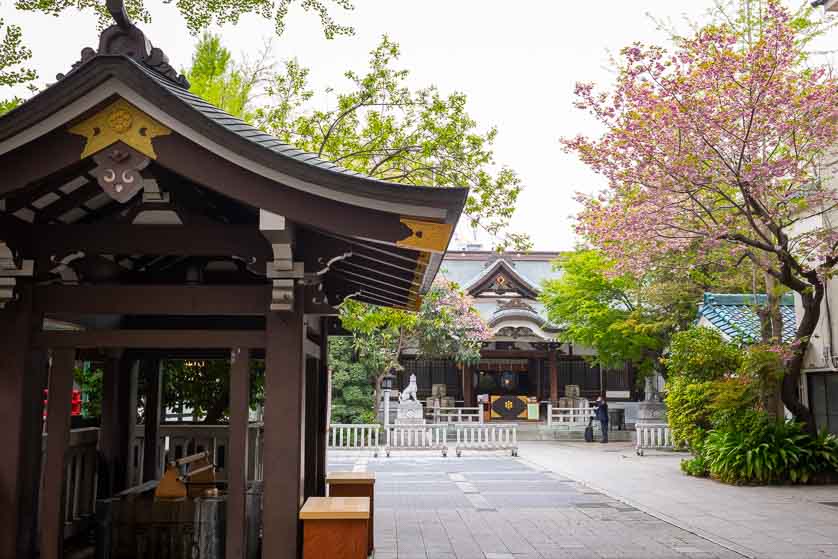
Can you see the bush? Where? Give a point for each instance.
(688, 410)
(696, 466)
(769, 452)
(701, 354)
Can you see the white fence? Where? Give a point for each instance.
(492, 436)
(416, 437)
(571, 418)
(349, 436)
(652, 436)
(455, 415)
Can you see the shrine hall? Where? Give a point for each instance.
(139, 223)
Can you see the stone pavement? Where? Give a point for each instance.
(497, 507)
(785, 522)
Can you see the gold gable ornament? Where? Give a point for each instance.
(426, 236)
(120, 122)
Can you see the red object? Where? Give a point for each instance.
(75, 402)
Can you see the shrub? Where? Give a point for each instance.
(696, 466)
(688, 411)
(769, 452)
(701, 354)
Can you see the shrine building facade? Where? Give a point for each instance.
(524, 358)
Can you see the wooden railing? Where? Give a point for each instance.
(454, 415)
(349, 436)
(79, 495)
(177, 441)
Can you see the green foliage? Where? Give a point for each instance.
(200, 14)
(89, 380)
(446, 326)
(688, 411)
(216, 78)
(701, 354)
(352, 392)
(695, 466)
(204, 387)
(769, 452)
(600, 310)
(380, 127)
(13, 56)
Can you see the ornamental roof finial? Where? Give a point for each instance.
(119, 14)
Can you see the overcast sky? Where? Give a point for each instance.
(517, 62)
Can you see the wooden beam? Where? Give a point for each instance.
(554, 377)
(68, 202)
(152, 339)
(284, 390)
(244, 241)
(154, 299)
(236, 544)
(58, 433)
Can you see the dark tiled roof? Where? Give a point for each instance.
(735, 315)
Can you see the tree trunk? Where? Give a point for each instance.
(791, 380)
(771, 322)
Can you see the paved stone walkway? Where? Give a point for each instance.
(498, 507)
(779, 522)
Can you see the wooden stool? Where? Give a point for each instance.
(355, 484)
(335, 527)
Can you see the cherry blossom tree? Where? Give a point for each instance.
(714, 147)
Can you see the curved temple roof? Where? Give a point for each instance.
(259, 170)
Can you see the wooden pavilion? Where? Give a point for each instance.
(159, 226)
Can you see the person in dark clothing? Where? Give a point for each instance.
(601, 414)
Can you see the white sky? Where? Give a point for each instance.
(516, 61)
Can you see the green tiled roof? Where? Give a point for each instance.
(735, 316)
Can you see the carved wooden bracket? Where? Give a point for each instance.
(118, 172)
(11, 268)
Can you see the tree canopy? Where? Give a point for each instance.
(13, 57)
(200, 14)
(379, 126)
(713, 146)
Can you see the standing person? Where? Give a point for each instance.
(602, 415)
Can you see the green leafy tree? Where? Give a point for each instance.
(13, 57)
(624, 317)
(204, 387)
(228, 85)
(381, 127)
(200, 14)
(446, 326)
(352, 392)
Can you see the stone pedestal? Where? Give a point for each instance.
(410, 412)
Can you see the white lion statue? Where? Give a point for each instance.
(409, 393)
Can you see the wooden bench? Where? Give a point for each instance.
(355, 484)
(335, 527)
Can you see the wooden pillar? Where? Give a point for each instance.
(116, 431)
(283, 468)
(21, 404)
(152, 373)
(37, 373)
(58, 434)
(468, 386)
(323, 411)
(554, 376)
(236, 542)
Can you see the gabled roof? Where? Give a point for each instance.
(734, 315)
(500, 274)
(388, 238)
